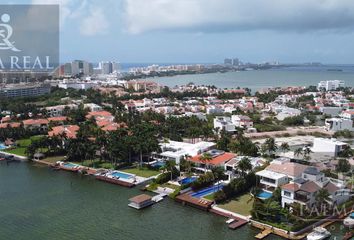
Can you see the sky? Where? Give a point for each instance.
(205, 31)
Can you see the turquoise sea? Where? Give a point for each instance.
(260, 79)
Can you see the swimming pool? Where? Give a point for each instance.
(70, 165)
(187, 180)
(264, 195)
(207, 191)
(2, 146)
(121, 175)
(158, 164)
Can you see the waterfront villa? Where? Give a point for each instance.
(304, 190)
(173, 150)
(280, 172)
(218, 159)
(231, 167)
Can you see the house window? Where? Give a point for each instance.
(305, 176)
(286, 193)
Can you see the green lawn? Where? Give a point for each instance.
(142, 172)
(22, 145)
(239, 205)
(54, 159)
(209, 197)
(167, 185)
(96, 164)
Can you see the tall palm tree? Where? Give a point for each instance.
(298, 152)
(284, 147)
(170, 166)
(244, 166)
(271, 146)
(307, 152)
(204, 158)
(322, 197)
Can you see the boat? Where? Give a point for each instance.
(349, 221)
(318, 233)
(231, 220)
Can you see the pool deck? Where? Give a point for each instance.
(115, 181)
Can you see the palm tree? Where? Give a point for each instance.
(170, 166)
(204, 158)
(166, 141)
(244, 166)
(270, 145)
(307, 152)
(298, 152)
(284, 147)
(322, 197)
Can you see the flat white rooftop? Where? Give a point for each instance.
(270, 174)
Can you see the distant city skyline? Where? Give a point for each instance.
(205, 31)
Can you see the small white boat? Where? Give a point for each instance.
(349, 221)
(318, 233)
(231, 220)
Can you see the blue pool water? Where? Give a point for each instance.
(158, 164)
(264, 195)
(187, 180)
(207, 191)
(70, 165)
(2, 146)
(122, 175)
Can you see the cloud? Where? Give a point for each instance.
(91, 19)
(95, 23)
(235, 15)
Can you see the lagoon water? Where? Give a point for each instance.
(260, 79)
(38, 203)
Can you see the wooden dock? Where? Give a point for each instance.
(202, 204)
(263, 234)
(237, 223)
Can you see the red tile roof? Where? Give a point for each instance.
(12, 125)
(57, 119)
(99, 114)
(69, 130)
(35, 122)
(223, 158)
(290, 187)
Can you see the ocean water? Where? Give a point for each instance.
(260, 79)
(38, 203)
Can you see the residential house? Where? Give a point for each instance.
(328, 146)
(304, 190)
(224, 123)
(338, 124)
(218, 159)
(242, 121)
(175, 151)
(281, 171)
